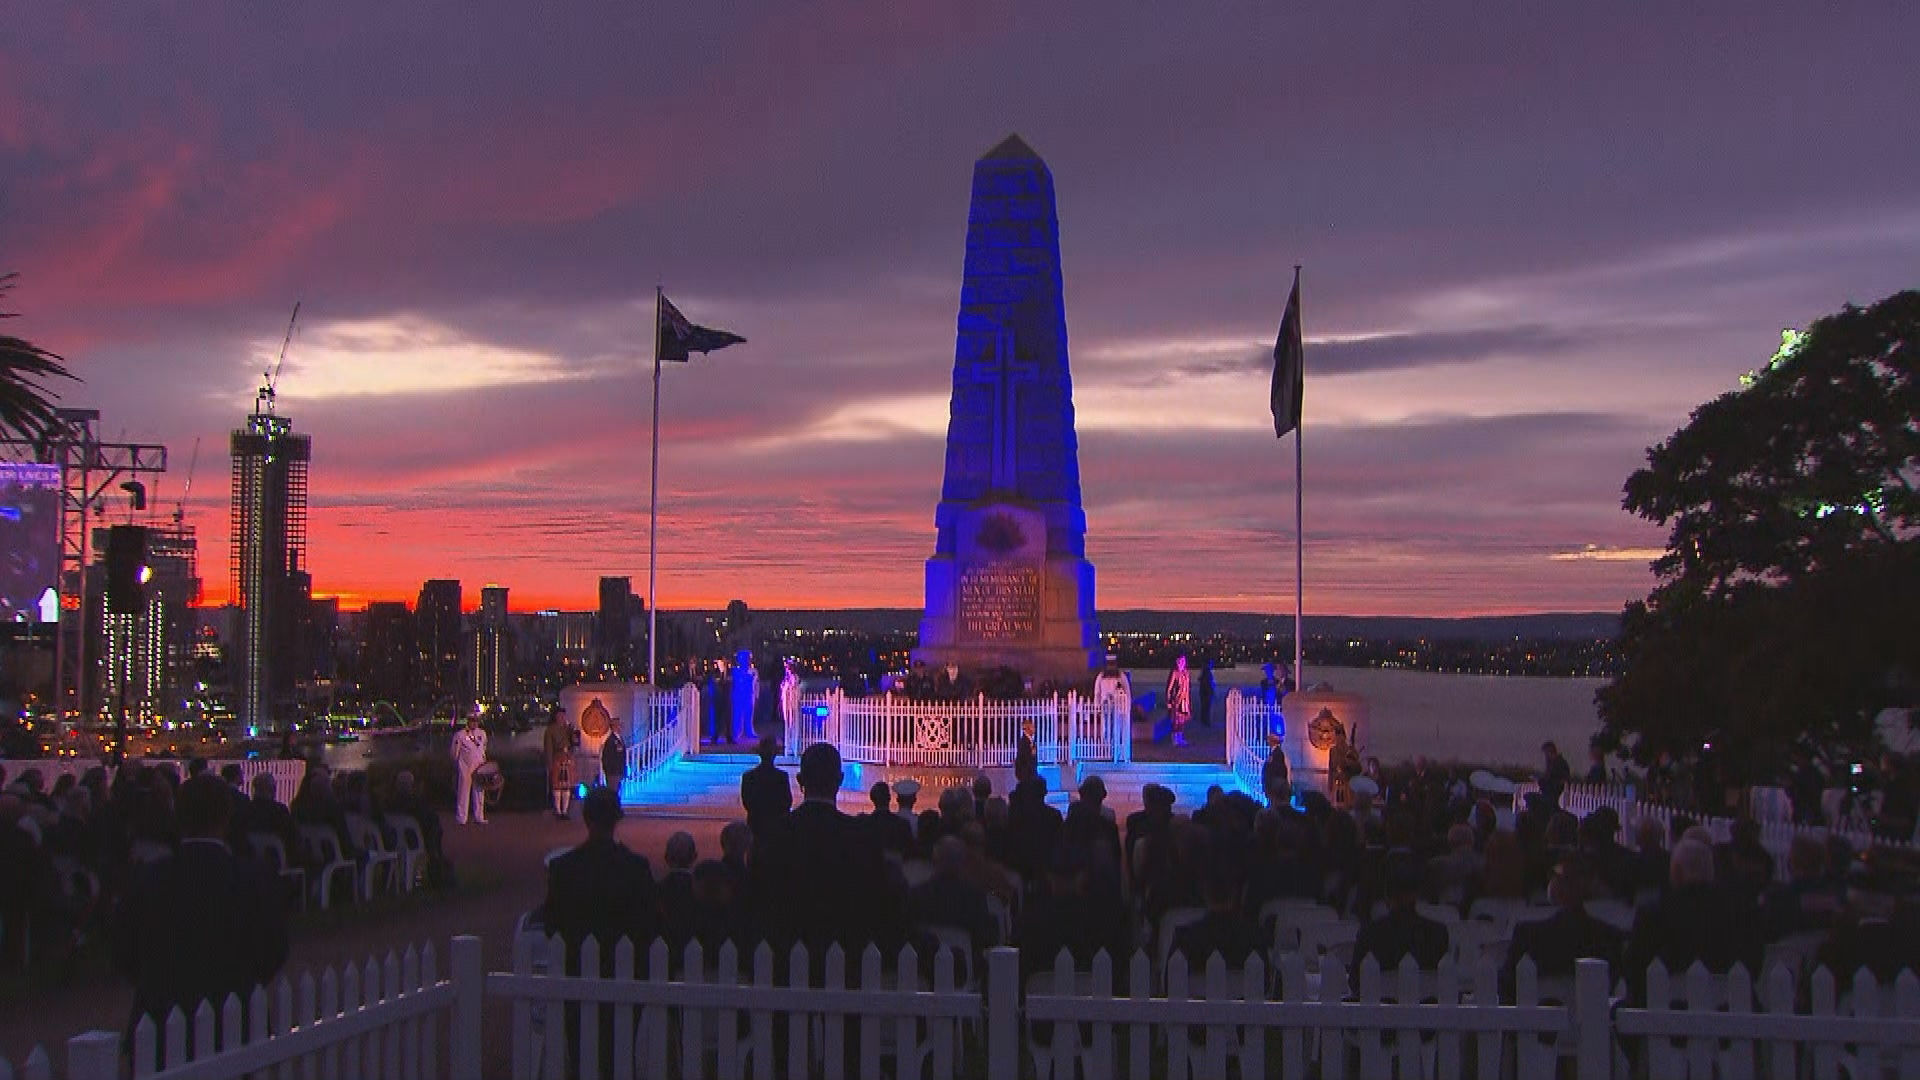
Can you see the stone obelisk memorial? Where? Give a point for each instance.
(1009, 584)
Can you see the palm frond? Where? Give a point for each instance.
(26, 369)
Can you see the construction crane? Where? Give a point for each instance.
(263, 401)
(180, 507)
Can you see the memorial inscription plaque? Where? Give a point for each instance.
(999, 602)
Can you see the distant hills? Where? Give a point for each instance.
(1573, 625)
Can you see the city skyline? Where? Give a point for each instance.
(1532, 245)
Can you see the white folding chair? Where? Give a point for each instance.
(958, 942)
(1290, 921)
(412, 848)
(1002, 914)
(375, 855)
(274, 850)
(916, 871)
(1319, 939)
(1170, 924)
(323, 845)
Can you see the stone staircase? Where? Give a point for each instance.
(707, 787)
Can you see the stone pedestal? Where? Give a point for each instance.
(1002, 601)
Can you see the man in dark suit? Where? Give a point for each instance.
(888, 829)
(824, 872)
(677, 908)
(1155, 817)
(1088, 825)
(201, 924)
(765, 791)
(1224, 930)
(1033, 827)
(1570, 934)
(602, 890)
(230, 774)
(264, 814)
(1402, 931)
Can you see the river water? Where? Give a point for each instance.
(1475, 719)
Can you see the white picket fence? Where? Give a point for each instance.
(386, 1018)
(1776, 836)
(286, 774)
(734, 1015)
(975, 734)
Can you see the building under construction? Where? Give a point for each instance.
(271, 583)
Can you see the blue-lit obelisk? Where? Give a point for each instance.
(1009, 583)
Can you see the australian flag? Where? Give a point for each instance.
(677, 339)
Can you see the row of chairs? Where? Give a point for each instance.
(395, 869)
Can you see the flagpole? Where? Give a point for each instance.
(653, 512)
(1299, 549)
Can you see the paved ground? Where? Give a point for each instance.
(500, 876)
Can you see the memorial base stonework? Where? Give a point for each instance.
(1001, 601)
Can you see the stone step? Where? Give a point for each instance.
(708, 786)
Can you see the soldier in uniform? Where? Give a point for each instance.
(559, 743)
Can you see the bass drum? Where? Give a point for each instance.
(490, 780)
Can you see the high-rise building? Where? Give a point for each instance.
(436, 622)
(388, 656)
(492, 648)
(269, 544)
(146, 641)
(613, 632)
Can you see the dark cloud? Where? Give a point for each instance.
(1609, 215)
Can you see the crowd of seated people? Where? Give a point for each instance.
(68, 850)
(980, 870)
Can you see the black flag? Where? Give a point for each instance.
(678, 338)
(1289, 366)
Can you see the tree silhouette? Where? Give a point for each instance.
(1782, 614)
(26, 401)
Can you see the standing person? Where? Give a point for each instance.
(1269, 693)
(1179, 699)
(613, 761)
(200, 924)
(1203, 695)
(745, 690)
(603, 891)
(1108, 686)
(770, 688)
(1557, 774)
(1596, 765)
(766, 793)
(719, 727)
(560, 741)
(469, 753)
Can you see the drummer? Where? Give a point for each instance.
(469, 753)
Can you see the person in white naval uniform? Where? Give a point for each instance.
(469, 753)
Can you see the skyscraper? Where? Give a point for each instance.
(613, 636)
(492, 648)
(436, 620)
(389, 656)
(269, 544)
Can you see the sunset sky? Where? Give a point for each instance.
(1534, 237)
